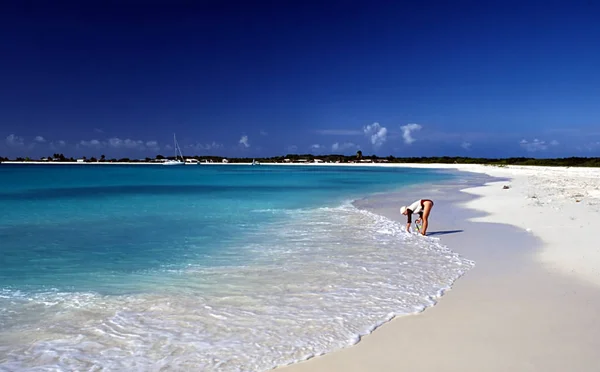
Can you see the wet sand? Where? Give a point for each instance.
(511, 312)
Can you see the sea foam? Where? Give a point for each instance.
(317, 280)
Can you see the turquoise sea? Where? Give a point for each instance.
(205, 267)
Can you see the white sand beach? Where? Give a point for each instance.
(559, 205)
(532, 301)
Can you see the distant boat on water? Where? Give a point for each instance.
(178, 153)
(254, 162)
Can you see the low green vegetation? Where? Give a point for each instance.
(562, 162)
(357, 158)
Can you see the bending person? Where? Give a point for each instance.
(422, 207)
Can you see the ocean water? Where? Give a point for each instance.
(213, 268)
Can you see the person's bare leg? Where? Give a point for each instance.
(427, 205)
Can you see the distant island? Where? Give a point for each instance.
(312, 159)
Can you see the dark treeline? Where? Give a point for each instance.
(563, 162)
(333, 158)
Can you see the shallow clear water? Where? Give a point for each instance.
(203, 267)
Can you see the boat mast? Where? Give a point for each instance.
(175, 145)
(177, 148)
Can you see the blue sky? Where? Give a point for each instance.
(458, 78)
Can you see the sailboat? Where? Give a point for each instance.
(177, 152)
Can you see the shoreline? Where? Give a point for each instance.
(559, 206)
(539, 316)
(359, 204)
(532, 299)
(475, 167)
(580, 184)
(350, 223)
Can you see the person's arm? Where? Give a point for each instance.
(420, 217)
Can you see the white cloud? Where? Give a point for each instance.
(91, 144)
(204, 146)
(39, 139)
(118, 143)
(316, 146)
(263, 133)
(590, 146)
(537, 145)
(14, 140)
(342, 146)
(466, 145)
(533, 146)
(292, 148)
(339, 132)
(407, 132)
(98, 130)
(377, 133)
(153, 145)
(244, 141)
